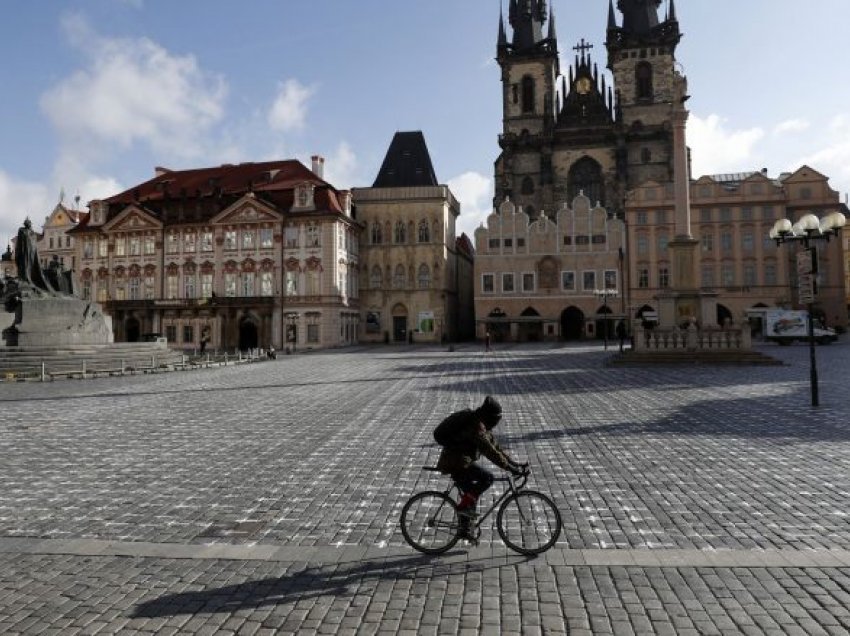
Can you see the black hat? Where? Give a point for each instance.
(490, 411)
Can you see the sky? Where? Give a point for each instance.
(94, 94)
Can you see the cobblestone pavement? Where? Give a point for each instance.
(265, 498)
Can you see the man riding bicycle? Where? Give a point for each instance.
(465, 436)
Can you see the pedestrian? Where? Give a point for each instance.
(487, 340)
(465, 436)
(621, 334)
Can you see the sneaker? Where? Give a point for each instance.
(465, 518)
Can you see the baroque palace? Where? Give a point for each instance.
(584, 191)
(236, 256)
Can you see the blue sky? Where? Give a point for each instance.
(96, 93)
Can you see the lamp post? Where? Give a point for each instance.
(604, 294)
(806, 231)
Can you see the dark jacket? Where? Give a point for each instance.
(472, 440)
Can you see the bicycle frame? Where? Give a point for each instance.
(513, 487)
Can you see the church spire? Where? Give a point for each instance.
(612, 20)
(527, 18)
(672, 16)
(503, 38)
(552, 35)
(639, 16)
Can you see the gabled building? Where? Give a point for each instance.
(415, 283)
(56, 243)
(237, 256)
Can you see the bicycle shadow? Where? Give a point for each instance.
(340, 580)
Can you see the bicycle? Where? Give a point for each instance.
(527, 521)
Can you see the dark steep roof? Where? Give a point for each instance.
(407, 163)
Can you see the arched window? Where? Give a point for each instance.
(424, 232)
(400, 232)
(586, 176)
(377, 239)
(527, 186)
(376, 280)
(527, 94)
(424, 276)
(399, 277)
(643, 80)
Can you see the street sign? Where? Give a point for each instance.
(807, 288)
(807, 267)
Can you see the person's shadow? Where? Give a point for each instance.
(337, 579)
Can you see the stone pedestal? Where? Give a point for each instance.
(44, 320)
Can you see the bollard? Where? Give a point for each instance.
(84, 369)
(43, 375)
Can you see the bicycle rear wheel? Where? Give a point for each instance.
(429, 522)
(529, 522)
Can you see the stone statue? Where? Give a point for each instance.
(26, 258)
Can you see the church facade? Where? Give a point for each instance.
(584, 190)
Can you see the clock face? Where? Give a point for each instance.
(582, 85)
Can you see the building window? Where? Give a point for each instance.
(568, 281)
(399, 277)
(291, 283)
(747, 214)
(747, 241)
(642, 217)
(527, 94)
(266, 238)
(708, 276)
(248, 280)
(88, 248)
(507, 283)
(663, 277)
(643, 278)
(171, 243)
(120, 246)
(376, 233)
(188, 334)
(749, 274)
(189, 244)
(610, 278)
(424, 277)
(206, 285)
(248, 239)
(424, 231)
(487, 285)
(171, 286)
(150, 287)
(493, 244)
(527, 186)
(509, 242)
(646, 155)
(767, 213)
(705, 215)
(400, 233)
(150, 245)
(528, 282)
(725, 215)
(266, 284)
(135, 246)
(312, 235)
(188, 286)
(87, 289)
(376, 278)
(726, 242)
(292, 237)
(662, 243)
(661, 217)
(727, 275)
(589, 281)
(134, 286)
(643, 81)
(207, 242)
(643, 244)
(520, 242)
(103, 248)
(171, 333)
(770, 274)
(708, 243)
(230, 240)
(230, 285)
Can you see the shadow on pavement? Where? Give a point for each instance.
(340, 580)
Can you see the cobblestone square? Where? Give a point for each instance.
(265, 498)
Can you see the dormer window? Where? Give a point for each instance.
(304, 195)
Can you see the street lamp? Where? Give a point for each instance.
(604, 295)
(807, 230)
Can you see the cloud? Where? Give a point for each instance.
(832, 156)
(791, 126)
(289, 110)
(18, 200)
(475, 193)
(717, 150)
(341, 168)
(132, 91)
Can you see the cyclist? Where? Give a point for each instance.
(465, 437)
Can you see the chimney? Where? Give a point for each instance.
(159, 171)
(318, 166)
(345, 201)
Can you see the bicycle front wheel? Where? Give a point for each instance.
(529, 522)
(429, 522)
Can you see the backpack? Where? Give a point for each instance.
(452, 428)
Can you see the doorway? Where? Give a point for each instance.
(248, 334)
(572, 323)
